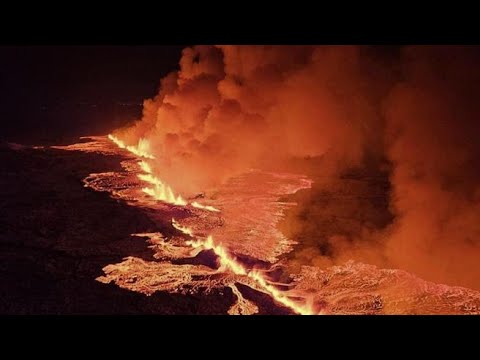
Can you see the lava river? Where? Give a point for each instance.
(229, 241)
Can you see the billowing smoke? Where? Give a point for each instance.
(410, 118)
(230, 108)
(432, 135)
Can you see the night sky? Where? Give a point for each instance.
(55, 93)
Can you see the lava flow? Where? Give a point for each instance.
(251, 207)
(160, 190)
(204, 207)
(163, 192)
(228, 262)
(140, 150)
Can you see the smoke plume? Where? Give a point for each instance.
(406, 121)
(433, 125)
(230, 108)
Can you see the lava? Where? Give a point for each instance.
(140, 150)
(242, 306)
(228, 262)
(181, 228)
(160, 190)
(163, 192)
(145, 167)
(204, 207)
(251, 208)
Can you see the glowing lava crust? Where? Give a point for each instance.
(228, 263)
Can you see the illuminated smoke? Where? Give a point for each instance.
(231, 108)
(432, 136)
(414, 116)
(160, 190)
(429, 127)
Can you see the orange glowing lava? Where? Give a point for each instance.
(160, 190)
(181, 228)
(228, 262)
(251, 207)
(163, 192)
(145, 167)
(140, 150)
(204, 207)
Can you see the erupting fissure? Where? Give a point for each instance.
(140, 150)
(227, 262)
(160, 190)
(163, 192)
(205, 207)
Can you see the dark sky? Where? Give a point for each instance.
(54, 93)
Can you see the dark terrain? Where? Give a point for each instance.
(56, 236)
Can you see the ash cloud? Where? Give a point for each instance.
(405, 120)
(230, 108)
(432, 136)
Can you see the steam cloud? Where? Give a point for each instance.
(432, 137)
(412, 114)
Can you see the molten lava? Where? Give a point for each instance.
(204, 207)
(163, 192)
(145, 167)
(140, 150)
(181, 228)
(251, 207)
(228, 262)
(160, 190)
